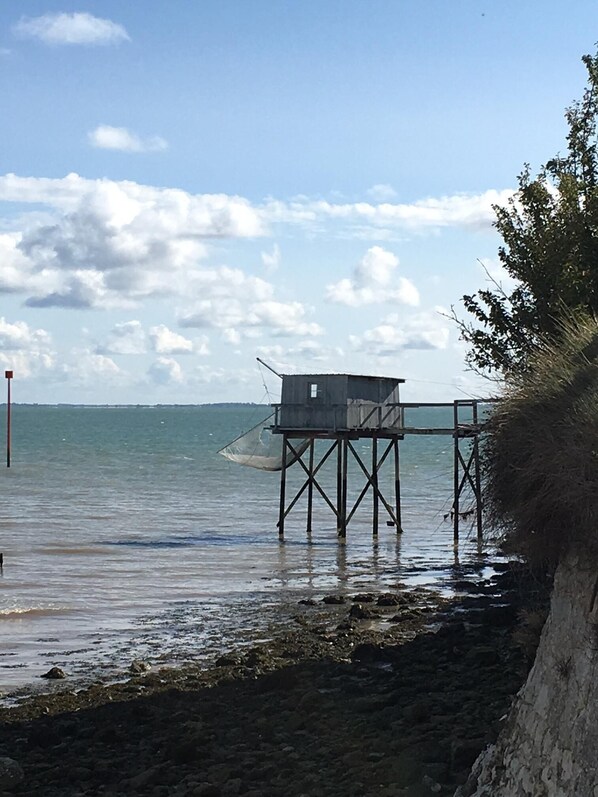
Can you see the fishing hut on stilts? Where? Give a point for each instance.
(340, 409)
(357, 423)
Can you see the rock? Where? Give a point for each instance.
(232, 787)
(54, 673)
(437, 772)
(146, 778)
(10, 773)
(334, 600)
(418, 712)
(359, 612)
(364, 597)
(500, 616)
(369, 652)
(228, 660)
(307, 602)
(464, 752)
(278, 679)
(207, 790)
(405, 615)
(389, 600)
(138, 666)
(463, 585)
(482, 655)
(431, 784)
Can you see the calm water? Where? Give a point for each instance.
(126, 535)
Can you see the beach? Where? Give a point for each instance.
(390, 694)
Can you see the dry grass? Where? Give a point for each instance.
(541, 451)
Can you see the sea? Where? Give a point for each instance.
(126, 535)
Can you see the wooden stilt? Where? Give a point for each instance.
(397, 485)
(344, 443)
(375, 490)
(477, 475)
(283, 482)
(456, 488)
(339, 486)
(310, 488)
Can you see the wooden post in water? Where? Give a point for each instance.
(345, 482)
(310, 486)
(339, 485)
(283, 482)
(397, 485)
(8, 375)
(477, 474)
(456, 472)
(343, 456)
(375, 484)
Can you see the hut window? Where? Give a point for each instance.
(314, 391)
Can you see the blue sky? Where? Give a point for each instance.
(187, 186)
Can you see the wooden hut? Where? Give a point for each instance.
(340, 408)
(329, 404)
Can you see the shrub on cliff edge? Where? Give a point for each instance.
(541, 450)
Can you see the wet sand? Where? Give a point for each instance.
(385, 694)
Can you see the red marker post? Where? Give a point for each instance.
(8, 375)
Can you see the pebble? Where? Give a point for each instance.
(11, 773)
(137, 667)
(54, 673)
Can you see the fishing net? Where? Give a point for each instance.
(259, 448)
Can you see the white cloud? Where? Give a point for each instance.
(85, 368)
(165, 341)
(28, 352)
(232, 313)
(381, 192)
(165, 371)
(271, 260)
(19, 336)
(107, 225)
(373, 282)
(27, 364)
(119, 138)
(130, 338)
(394, 335)
(122, 202)
(112, 244)
(126, 338)
(285, 318)
(232, 336)
(314, 350)
(99, 244)
(305, 356)
(458, 210)
(14, 266)
(74, 28)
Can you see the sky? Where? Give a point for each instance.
(187, 186)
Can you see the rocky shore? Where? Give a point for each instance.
(392, 695)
